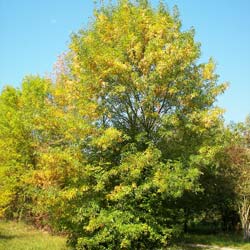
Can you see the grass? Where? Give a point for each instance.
(212, 242)
(18, 236)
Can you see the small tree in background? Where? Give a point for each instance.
(240, 158)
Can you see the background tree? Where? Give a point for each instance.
(239, 153)
(40, 140)
(19, 109)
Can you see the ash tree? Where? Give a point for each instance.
(153, 125)
(131, 120)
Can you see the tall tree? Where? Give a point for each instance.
(154, 118)
(124, 132)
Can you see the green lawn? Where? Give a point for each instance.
(213, 242)
(18, 236)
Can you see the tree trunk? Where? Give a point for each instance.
(245, 218)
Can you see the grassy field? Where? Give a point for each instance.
(222, 240)
(212, 242)
(18, 236)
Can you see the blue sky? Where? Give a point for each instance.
(33, 33)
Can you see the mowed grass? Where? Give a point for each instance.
(234, 241)
(18, 236)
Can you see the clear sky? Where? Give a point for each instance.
(34, 32)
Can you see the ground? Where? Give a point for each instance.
(213, 242)
(19, 236)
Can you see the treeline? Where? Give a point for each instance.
(124, 148)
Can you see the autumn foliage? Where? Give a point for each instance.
(113, 149)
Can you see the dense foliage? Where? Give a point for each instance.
(125, 147)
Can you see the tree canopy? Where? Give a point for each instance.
(114, 148)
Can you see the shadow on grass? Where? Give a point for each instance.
(8, 237)
(184, 247)
(216, 241)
